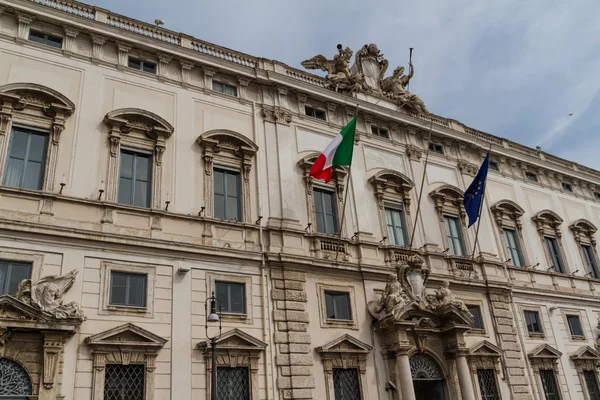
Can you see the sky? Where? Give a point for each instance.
(511, 68)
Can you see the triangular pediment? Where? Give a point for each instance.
(585, 353)
(126, 335)
(345, 344)
(238, 340)
(485, 349)
(545, 351)
(13, 309)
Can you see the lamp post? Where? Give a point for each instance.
(213, 317)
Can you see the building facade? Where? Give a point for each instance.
(142, 170)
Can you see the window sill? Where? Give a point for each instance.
(229, 316)
(131, 309)
(536, 335)
(577, 338)
(477, 332)
(339, 323)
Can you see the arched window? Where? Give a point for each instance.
(548, 223)
(423, 367)
(14, 380)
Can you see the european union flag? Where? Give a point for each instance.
(474, 194)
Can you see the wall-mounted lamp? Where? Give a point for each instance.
(550, 268)
(508, 260)
(101, 191)
(62, 184)
(574, 272)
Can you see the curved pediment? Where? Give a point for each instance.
(548, 216)
(447, 191)
(509, 206)
(226, 139)
(392, 178)
(25, 94)
(584, 226)
(128, 119)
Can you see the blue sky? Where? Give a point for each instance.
(512, 68)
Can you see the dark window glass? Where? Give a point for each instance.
(381, 132)
(436, 148)
(554, 253)
(127, 289)
(325, 211)
(11, 275)
(345, 384)
(44, 38)
(453, 234)
(494, 165)
(487, 384)
(231, 297)
(395, 224)
(145, 66)
(26, 159)
(549, 384)
(135, 178)
(124, 382)
(337, 305)
(512, 245)
(315, 113)
(233, 383)
(575, 325)
(590, 260)
(567, 187)
(477, 321)
(531, 176)
(591, 381)
(224, 88)
(597, 195)
(227, 195)
(532, 320)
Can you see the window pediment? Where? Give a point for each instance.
(449, 198)
(585, 353)
(448, 192)
(507, 212)
(485, 349)
(345, 344)
(392, 184)
(544, 351)
(135, 119)
(128, 335)
(224, 139)
(582, 228)
(547, 221)
(236, 339)
(23, 95)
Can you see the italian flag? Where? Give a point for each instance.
(339, 152)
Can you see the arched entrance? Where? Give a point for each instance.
(428, 378)
(15, 383)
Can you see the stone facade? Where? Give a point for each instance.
(197, 113)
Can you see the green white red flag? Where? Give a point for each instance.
(337, 153)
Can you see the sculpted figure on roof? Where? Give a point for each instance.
(339, 76)
(395, 87)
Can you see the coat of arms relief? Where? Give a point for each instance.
(367, 75)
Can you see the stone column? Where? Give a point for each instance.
(404, 376)
(464, 377)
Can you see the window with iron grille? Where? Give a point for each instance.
(575, 325)
(11, 275)
(26, 159)
(554, 253)
(144, 66)
(590, 260)
(475, 310)
(233, 383)
(591, 382)
(337, 305)
(549, 384)
(345, 384)
(14, 380)
(381, 132)
(127, 289)
(135, 178)
(532, 320)
(487, 384)
(124, 382)
(44, 38)
(224, 88)
(231, 296)
(315, 113)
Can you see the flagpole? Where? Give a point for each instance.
(412, 237)
(480, 208)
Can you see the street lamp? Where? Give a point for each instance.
(213, 317)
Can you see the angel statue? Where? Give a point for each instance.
(395, 86)
(339, 76)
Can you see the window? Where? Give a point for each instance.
(325, 211)
(512, 245)
(455, 243)
(597, 195)
(575, 325)
(231, 297)
(127, 289)
(487, 384)
(532, 320)
(436, 148)
(233, 383)
(591, 381)
(381, 132)
(531, 176)
(227, 195)
(11, 275)
(395, 224)
(145, 66)
(590, 260)
(477, 321)
(554, 253)
(44, 38)
(124, 382)
(26, 159)
(494, 165)
(567, 187)
(337, 305)
(135, 178)
(224, 88)
(313, 112)
(549, 384)
(345, 384)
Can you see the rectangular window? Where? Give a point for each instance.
(476, 312)
(124, 382)
(325, 211)
(591, 381)
(145, 66)
(487, 384)
(135, 176)
(315, 113)
(532, 321)
(455, 243)
(224, 88)
(567, 187)
(337, 305)
(494, 165)
(395, 225)
(381, 132)
(512, 245)
(549, 384)
(531, 176)
(345, 384)
(597, 195)
(44, 38)
(575, 325)
(590, 260)
(26, 159)
(231, 296)
(11, 275)
(233, 383)
(554, 253)
(127, 289)
(227, 195)
(436, 148)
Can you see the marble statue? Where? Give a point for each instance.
(444, 297)
(370, 62)
(46, 295)
(395, 87)
(392, 300)
(339, 75)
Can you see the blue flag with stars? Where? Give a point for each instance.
(474, 194)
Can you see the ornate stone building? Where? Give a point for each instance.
(142, 170)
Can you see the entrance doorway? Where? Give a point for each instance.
(428, 378)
